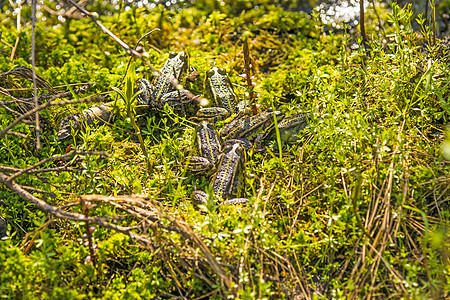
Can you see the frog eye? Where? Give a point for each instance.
(173, 54)
(221, 71)
(210, 72)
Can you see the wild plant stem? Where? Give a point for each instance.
(355, 197)
(88, 231)
(277, 131)
(131, 115)
(33, 62)
(249, 80)
(433, 19)
(362, 24)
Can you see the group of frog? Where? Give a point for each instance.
(242, 133)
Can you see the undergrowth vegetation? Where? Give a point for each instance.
(357, 209)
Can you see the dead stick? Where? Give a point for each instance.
(249, 80)
(45, 105)
(19, 6)
(362, 24)
(43, 96)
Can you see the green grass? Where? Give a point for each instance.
(357, 209)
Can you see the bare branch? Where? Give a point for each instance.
(45, 105)
(24, 136)
(36, 171)
(180, 227)
(35, 190)
(5, 92)
(27, 73)
(9, 109)
(66, 14)
(43, 96)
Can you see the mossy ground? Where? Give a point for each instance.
(358, 208)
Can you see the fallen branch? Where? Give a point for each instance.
(60, 213)
(179, 227)
(27, 73)
(69, 14)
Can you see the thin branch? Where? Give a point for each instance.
(24, 136)
(44, 96)
(30, 243)
(362, 24)
(66, 14)
(379, 19)
(249, 79)
(5, 92)
(27, 73)
(45, 105)
(35, 190)
(19, 6)
(9, 109)
(36, 171)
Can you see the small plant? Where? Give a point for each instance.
(129, 96)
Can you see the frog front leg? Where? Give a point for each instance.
(145, 97)
(180, 103)
(212, 114)
(258, 140)
(199, 164)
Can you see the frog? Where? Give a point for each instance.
(252, 128)
(212, 114)
(290, 128)
(208, 147)
(228, 183)
(220, 90)
(162, 92)
(151, 96)
(201, 197)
